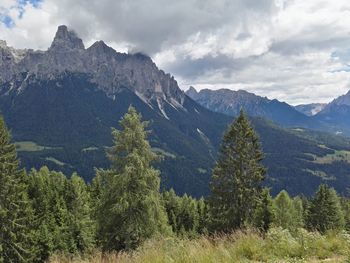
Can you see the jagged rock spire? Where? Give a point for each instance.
(65, 40)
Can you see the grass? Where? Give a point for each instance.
(330, 158)
(54, 160)
(29, 146)
(336, 156)
(321, 174)
(243, 246)
(164, 153)
(88, 149)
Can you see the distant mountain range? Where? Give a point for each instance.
(60, 105)
(230, 102)
(310, 109)
(333, 117)
(337, 114)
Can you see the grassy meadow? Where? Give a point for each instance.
(278, 245)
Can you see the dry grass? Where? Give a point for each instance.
(278, 246)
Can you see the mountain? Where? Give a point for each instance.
(230, 102)
(60, 105)
(337, 114)
(310, 109)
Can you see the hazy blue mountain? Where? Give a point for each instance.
(60, 105)
(337, 115)
(310, 109)
(230, 102)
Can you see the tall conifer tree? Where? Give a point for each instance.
(236, 180)
(15, 210)
(325, 211)
(130, 207)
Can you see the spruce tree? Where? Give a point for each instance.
(183, 213)
(82, 227)
(298, 212)
(345, 204)
(325, 211)
(237, 176)
(47, 190)
(130, 209)
(263, 216)
(16, 243)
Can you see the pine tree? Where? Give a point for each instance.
(236, 180)
(183, 213)
(80, 222)
(325, 212)
(204, 216)
(130, 209)
(263, 216)
(16, 239)
(298, 212)
(345, 203)
(47, 190)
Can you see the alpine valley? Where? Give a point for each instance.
(60, 105)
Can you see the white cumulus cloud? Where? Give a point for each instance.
(293, 50)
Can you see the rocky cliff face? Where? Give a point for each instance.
(110, 70)
(231, 102)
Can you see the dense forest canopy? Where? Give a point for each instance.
(44, 212)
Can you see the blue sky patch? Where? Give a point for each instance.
(7, 20)
(34, 3)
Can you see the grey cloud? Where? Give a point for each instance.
(151, 25)
(294, 50)
(195, 68)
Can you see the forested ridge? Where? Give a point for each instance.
(46, 215)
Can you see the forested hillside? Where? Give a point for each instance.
(47, 216)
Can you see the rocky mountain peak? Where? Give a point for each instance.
(191, 92)
(343, 100)
(3, 44)
(336, 106)
(108, 69)
(101, 47)
(66, 40)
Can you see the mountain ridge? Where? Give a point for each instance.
(61, 104)
(230, 102)
(108, 68)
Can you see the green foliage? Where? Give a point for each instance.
(16, 240)
(62, 213)
(46, 213)
(278, 245)
(236, 179)
(82, 227)
(130, 208)
(283, 210)
(325, 211)
(187, 216)
(263, 215)
(345, 203)
(288, 212)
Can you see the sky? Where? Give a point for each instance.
(293, 50)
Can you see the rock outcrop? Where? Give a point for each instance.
(109, 69)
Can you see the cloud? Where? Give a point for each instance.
(293, 50)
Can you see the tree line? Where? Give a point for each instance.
(44, 212)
